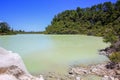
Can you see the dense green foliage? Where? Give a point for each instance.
(115, 57)
(98, 20)
(5, 29)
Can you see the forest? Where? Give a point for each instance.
(98, 20)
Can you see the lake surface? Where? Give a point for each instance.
(54, 53)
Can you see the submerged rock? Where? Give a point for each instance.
(13, 68)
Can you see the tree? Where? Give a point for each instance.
(4, 27)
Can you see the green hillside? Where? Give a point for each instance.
(98, 20)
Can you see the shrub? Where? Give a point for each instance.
(115, 57)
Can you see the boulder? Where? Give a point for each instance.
(8, 58)
(12, 67)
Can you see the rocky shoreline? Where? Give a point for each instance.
(103, 70)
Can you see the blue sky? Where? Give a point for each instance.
(35, 15)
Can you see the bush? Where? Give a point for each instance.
(115, 57)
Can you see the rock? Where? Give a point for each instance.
(109, 50)
(111, 72)
(7, 77)
(80, 71)
(102, 52)
(118, 72)
(116, 79)
(78, 78)
(13, 68)
(110, 65)
(7, 58)
(108, 78)
(41, 77)
(71, 73)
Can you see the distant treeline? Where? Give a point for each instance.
(5, 29)
(99, 20)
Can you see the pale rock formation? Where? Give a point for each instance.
(13, 68)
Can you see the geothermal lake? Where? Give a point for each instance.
(54, 53)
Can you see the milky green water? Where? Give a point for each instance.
(54, 53)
